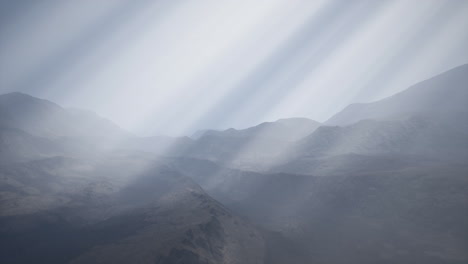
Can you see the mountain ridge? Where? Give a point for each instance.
(43, 118)
(450, 85)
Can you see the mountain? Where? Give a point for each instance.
(415, 135)
(441, 96)
(45, 119)
(256, 143)
(75, 188)
(428, 121)
(384, 184)
(413, 214)
(116, 209)
(288, 129)
(33, 128)
(45, 129)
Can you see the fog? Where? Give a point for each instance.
(234, 132)
(144, 64)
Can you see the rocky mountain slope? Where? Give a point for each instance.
(118, 209)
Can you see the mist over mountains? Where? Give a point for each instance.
(383, 182)
(442, 96)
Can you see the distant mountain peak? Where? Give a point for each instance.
(23, 98)
(443, 93)
(283, 128)
(43, 118)
(16, 94)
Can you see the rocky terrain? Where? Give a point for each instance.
(384, 182)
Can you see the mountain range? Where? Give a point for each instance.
(381, 182)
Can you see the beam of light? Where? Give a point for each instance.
(145, 64)
(341, 77)
(166, 62)
(434, 24)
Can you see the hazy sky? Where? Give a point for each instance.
(173, 67)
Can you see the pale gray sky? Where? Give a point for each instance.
(173, 67)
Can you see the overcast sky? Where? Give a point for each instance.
(172, 67)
